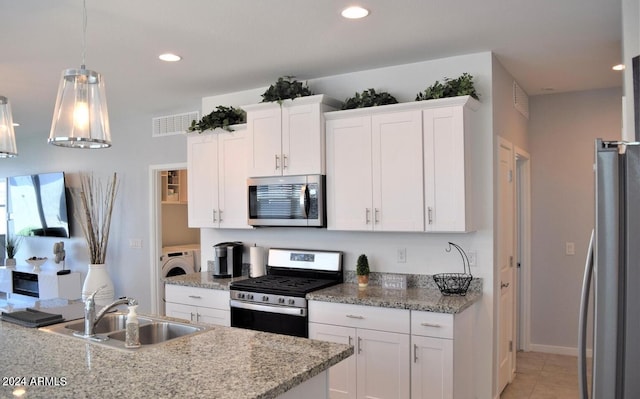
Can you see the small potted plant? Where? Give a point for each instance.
(221, 117)
(285, 88)
(460, 86)
(369, 98)
(362, 270)
(13, 243)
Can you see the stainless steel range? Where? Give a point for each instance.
(276, 301)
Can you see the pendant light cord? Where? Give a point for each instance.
(84, 32)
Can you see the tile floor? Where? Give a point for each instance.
(543, 376)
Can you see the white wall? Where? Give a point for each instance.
(425, 252)
(562, 131)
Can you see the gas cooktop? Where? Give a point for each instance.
(282, 285)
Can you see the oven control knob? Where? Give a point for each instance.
(250, 296)
(240, 296)
(265, 298)
(280, 300)
(292, 301)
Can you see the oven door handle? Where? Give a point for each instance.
(270, 309)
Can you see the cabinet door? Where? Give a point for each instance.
(342, 376)
(444, 167)
(213, 316)
(302, 140)
(264, 127)
(383, 364)
(180, 311)
(232, 185)
(202, 165)
(432, 368)
(349, 202)
(398, 198)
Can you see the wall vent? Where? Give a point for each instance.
(172, 124)
(520, 100)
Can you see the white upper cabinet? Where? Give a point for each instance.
(400, 167)
(288, 138)
(217, 166)
(374, 171)
(447, 165)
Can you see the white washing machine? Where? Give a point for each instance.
(180, 259)
(177, 260)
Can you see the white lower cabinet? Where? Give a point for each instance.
(200, 305)
(380, 367)
(398, 353)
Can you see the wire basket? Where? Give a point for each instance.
(455, 283)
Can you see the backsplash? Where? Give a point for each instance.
(413, 280)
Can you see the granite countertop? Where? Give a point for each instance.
(421, 294)
(222, 362)
(203, 280)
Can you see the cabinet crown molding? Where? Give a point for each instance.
(465, 101)
(315, 99)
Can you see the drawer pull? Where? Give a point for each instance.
(430, 325)
(352, 316)
(195, 296)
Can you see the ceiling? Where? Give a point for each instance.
(232, 45)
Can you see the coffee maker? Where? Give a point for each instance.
(227, 262)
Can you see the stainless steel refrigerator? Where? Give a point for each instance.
(613, 271)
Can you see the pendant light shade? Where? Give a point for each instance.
(7, 135)
(80, 119)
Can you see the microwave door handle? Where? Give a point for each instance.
(304, 201)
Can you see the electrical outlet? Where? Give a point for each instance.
(402, 255)
(473, 258)
(135, 243)
(570, 248)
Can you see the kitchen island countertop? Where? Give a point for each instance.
(221, 362)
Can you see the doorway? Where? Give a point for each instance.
(523, 249)
(169, 223)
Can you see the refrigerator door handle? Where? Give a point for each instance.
(582, 325)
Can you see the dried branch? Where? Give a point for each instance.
(94, 209)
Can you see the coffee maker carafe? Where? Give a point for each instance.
(227, 262)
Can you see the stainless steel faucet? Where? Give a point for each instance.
(91, 318)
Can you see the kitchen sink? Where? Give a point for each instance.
(110, 330)
(159, 332)
(109, 323)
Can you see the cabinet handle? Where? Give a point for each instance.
(415, 353)
(220, 215)
(350, 340)
(367, 211)
(191, 318)
(195, 296)
(430, 325)
(284, 161)
(376, 219)
(277, 162)
(430, 214)
(214, 215)
(359, 345)
(352, 316)
(197, 316)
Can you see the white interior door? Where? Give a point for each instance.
(505, 283)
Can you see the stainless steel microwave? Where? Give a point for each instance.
(287, 201)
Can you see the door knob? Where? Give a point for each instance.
(504, 285)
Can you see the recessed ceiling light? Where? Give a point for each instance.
(619, 67)
(547, 89)
(355, 12)
(169, 57)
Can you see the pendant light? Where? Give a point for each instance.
(7, 135)
(80, 118)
